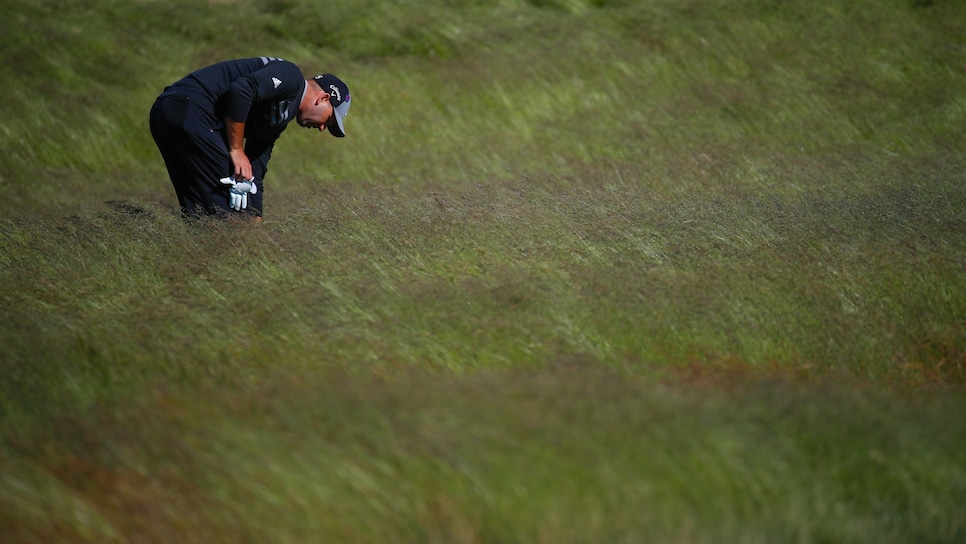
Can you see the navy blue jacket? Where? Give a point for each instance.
(263, 92)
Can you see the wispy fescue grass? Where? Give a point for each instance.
(581, 272)
(572, 456)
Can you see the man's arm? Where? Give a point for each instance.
(241, 166)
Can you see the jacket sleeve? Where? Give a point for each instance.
(276, 79)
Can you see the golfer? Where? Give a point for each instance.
(217, 126)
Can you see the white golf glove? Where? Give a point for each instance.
(239, 192)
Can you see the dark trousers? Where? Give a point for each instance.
(196, 155)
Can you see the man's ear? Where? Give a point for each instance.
(324, 97)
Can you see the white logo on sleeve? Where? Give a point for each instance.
(276, 81)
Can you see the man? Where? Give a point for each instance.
(217, 126)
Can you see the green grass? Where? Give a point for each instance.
(601, 271)
(572, 456)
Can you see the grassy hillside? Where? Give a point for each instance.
(750, 95)
(582, 271)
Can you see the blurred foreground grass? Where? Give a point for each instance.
(582, 272)
(566, 455)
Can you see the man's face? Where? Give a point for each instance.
(318, 116)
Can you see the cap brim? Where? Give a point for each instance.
(339, 112)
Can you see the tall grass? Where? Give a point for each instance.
(581, 271)
(576, 456)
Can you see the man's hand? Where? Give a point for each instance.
(238, 193)
(241, 166)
